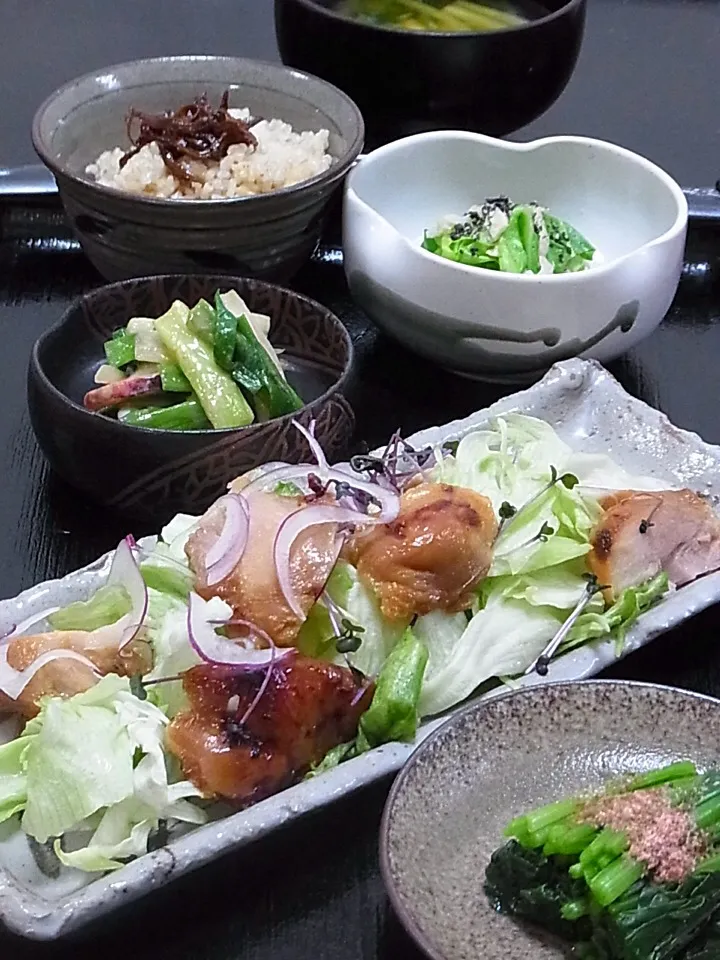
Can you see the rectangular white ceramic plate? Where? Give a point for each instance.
(592, 412)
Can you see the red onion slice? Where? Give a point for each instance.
(125, 572)
(360, 692)
(250, 627)
(291, 528)
(24, 625)
(389, 498)
(240, 484)
(228, 549)
(267, 481)
(315, 448)
(13, 682)
(220, 651)
(262, 688)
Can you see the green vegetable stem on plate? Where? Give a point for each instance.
(392, 715)
(393, 711)
(218, 395)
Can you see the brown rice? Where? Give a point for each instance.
(282, 158)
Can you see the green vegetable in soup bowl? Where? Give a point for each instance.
(498, 259)
(151, 395)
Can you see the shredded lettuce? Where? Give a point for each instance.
(518, 616)
(535, 544)
(166, 630)
(167, 568)
(618, 618)
(358, 604)
(380, 635)
(106, 606)
(502, 638)
(122, 833)
(560, 587)
(80, 761)
(509, 461)
(333, 758)
(13, 779)
(546, 495)
(164, 572)
(316, 634)
(177, 533)
(93, 766)
(169, 580)
(441, 633)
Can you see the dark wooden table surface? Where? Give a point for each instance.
(648, 78)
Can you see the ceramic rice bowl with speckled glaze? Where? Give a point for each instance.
(125, 235)
(158, 473)
(493, 761)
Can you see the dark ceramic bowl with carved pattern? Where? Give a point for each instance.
(154, 474)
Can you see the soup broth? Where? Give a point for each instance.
(452, 16)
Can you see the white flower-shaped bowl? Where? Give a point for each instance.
(494, 325)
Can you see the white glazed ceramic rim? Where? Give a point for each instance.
(397, 146)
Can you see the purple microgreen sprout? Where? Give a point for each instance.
(362, 500)
(399, 462)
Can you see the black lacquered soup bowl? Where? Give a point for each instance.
(408, 82)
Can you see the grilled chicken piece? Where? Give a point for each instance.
(642, 534)
(252, 589)
(308, 707)
(65, 677)
(433, 555)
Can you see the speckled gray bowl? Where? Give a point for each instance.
(490, 762)
(267, 236)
